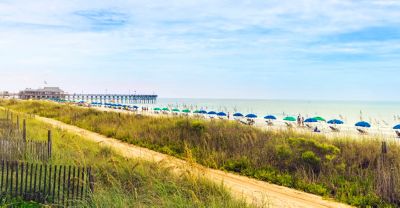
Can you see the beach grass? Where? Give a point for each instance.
(122, 182)
(354, 171)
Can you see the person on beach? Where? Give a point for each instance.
(298, 120)
(302, 121)
(317, 130)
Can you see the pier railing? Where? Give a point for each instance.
(119, 98)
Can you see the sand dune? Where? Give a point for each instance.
(256, 192)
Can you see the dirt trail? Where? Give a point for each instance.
(256, 192)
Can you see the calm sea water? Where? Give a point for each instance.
(377, 113)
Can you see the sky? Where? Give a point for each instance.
(270, 49)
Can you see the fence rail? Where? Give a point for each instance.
(60, 185)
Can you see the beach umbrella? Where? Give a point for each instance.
(135, 107)
(251, 116)
(157, 109)
(270, 117)
(186, 111)
(221, 114)
(310, 120)
(203, 112)
(319, 118)
(363, 124)
(175, 110)
(335, 121)
(212, 113)
(165, 109)
(238, 115)
(397, 127)
(289, 118)
(196, 111)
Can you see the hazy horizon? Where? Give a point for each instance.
(274, 50)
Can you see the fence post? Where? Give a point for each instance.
(24, 130)
(49, 144)
(91, 181)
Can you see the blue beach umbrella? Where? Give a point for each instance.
(238, 115)
(251, 116)
(335, 121)
(203, 112)
(363, 124)
(397, 126)
(221, 114)
(212, 113)
(270, 117)
(135, 107)
(311, 120)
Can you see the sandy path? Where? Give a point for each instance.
(256, 192)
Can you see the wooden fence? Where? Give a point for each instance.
(16, 149)
(61, 185)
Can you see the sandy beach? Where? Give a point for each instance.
(346, 131)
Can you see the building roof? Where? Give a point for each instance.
(46, 89)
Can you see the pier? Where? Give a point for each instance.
(112, 98)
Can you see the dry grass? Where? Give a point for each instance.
(352, 171)
(122, 182)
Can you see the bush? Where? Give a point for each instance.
(311, 159)
(237, 165)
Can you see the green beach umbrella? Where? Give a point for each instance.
(157, 109)
(186, 111)
(196, 111)
(175, 110)
(165, 109)
(319, 118)
(289, 118)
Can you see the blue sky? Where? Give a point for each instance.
(306, 49)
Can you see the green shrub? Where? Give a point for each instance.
(310, 158)
(238, 165)
(198, 126)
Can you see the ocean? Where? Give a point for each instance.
(382, 114)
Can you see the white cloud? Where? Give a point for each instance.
(264, 37)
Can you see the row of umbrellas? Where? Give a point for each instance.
(117, 105)
(272, 117)
(251, 116)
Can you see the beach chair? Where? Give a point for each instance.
(362, 131)
(269, 123)
(243, 122)
(334, 129)
(251, 122)
(308, 126)
(398, 134)
(289, 125)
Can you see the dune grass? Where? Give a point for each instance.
(349, 170)
(121, 182)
